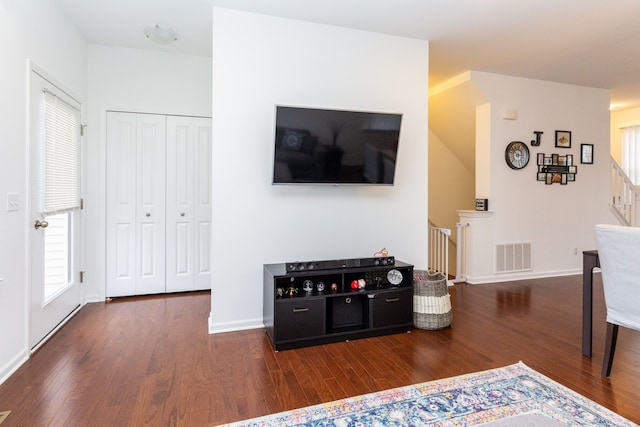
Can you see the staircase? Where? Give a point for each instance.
(625, 196)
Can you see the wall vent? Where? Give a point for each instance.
(513, 257)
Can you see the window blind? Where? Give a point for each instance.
(631, 153)
(61, 155)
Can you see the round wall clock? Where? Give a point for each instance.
(517, 155)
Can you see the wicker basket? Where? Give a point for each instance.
(431, 300)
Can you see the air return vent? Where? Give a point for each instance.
(513, 257)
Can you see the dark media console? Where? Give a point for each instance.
(318, 302)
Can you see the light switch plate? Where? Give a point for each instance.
(13, 203)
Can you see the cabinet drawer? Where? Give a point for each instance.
(299, 318)
(392, 308)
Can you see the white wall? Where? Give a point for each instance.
(451, 186)
(132, 80)
(35, 30)
(260, 61)
(555, 218)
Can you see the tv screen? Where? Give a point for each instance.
(318, 146)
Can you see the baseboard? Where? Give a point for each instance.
(93, 298)
(14, 364)
(241, 325)
(521, 276)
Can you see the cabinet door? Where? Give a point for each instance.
(188, 203)
(135, 204)
(392, 308)
(299, 318)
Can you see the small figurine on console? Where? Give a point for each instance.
(291, 291)
(382, 252)
(307, 286)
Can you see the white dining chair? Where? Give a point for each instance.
(619, 253)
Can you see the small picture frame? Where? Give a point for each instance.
(563, 139)
(586, 154)
(540, 158)
(542, 176)
(573, 170)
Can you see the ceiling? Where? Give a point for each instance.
(584, 42)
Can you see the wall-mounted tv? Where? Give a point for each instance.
(319, 146)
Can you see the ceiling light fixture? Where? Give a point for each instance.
(160, 34)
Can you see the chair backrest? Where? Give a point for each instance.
(619, 253)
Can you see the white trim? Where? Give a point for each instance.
(14, 364)
(515, 277)
(474, 214)
(242, 325)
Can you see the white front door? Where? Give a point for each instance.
(54, 235)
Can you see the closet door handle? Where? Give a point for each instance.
(392, 299)
(182, 213)
(147, 214)
(300, 310)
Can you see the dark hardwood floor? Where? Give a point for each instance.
(150, 361)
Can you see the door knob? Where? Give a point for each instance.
(147, 214)
(181, 213)
(39, 224)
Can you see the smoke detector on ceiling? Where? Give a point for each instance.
(160, 34)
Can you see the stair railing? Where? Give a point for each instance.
(439, 250)
(623, 193)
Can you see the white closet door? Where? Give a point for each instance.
(150, 209)
(135, 261)
(188, 203)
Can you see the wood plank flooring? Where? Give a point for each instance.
(150, 360)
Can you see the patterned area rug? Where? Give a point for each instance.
(490, 397)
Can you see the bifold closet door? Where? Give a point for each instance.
(135, 252)
(188, 203)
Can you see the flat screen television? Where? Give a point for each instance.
(319, 146)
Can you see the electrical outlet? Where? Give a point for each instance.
(575, 250)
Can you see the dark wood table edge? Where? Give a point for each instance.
(590, 260)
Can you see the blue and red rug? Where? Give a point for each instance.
(490, 397)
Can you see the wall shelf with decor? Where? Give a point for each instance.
(556, 169)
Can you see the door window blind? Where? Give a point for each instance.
(61, 155)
